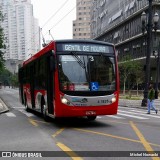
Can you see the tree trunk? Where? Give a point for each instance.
(137, 89)
(124, 88)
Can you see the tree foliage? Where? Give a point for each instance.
(131, 71)
(14, 80)
(8, 79)
(138, 74)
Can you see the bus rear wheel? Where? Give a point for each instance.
(91, 118)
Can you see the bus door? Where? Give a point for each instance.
(32, 85)
(50, 82)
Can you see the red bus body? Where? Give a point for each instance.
(44, 92)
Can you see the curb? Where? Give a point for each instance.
(5, 108)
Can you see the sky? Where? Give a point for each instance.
(56, 16)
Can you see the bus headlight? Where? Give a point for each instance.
(65, 101)
(113, 99)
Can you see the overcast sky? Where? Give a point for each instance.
(45, 10)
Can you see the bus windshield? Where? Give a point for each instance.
(79, 72)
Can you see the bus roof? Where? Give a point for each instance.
(51, 46)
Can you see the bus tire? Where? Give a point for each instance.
(91, 118)
(43, 110)
(26, 105)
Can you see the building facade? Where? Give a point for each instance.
(81, 26)
(119, 22)
(21, 30)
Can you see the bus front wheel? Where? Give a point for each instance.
(26, 105)
(43, 110)
(91, 118)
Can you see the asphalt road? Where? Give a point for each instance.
(132, 132)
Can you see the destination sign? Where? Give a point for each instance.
(85, 48)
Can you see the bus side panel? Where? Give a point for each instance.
(32, 86)
(27, 94)
(20, 79)
(21, 96)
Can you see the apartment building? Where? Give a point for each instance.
(81, 26)
(21, 30)
(119, 22)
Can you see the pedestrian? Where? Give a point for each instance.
(150, 101)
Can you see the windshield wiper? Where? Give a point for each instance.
(79, 60)
(81, 63)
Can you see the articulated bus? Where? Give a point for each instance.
(71, 78)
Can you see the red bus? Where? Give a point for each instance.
(71, 78)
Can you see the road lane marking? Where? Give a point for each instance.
(18, 107)
(40, 121)
(117, 117)
(113, 136)
(143, 140)
(26, 113)
(137, 117)
(149, 115)
(114, 121)
(105, 134)
(58, 132)
(10, 114)
(33, 122)
(68, 151)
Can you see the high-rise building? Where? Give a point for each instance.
(21, 30)
(119, 22)
(81, 26)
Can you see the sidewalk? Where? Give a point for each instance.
(3, 107)
(137, 103)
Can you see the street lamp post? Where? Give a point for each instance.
(148, 27)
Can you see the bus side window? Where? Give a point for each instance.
(36, 80)
(42, 77)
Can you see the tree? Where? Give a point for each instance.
(5, 76)
(125, 70)
(130, 70)
(14, 80)
(138, 73)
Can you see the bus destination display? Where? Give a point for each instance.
(85, 48)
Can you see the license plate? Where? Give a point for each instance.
(90, 112)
